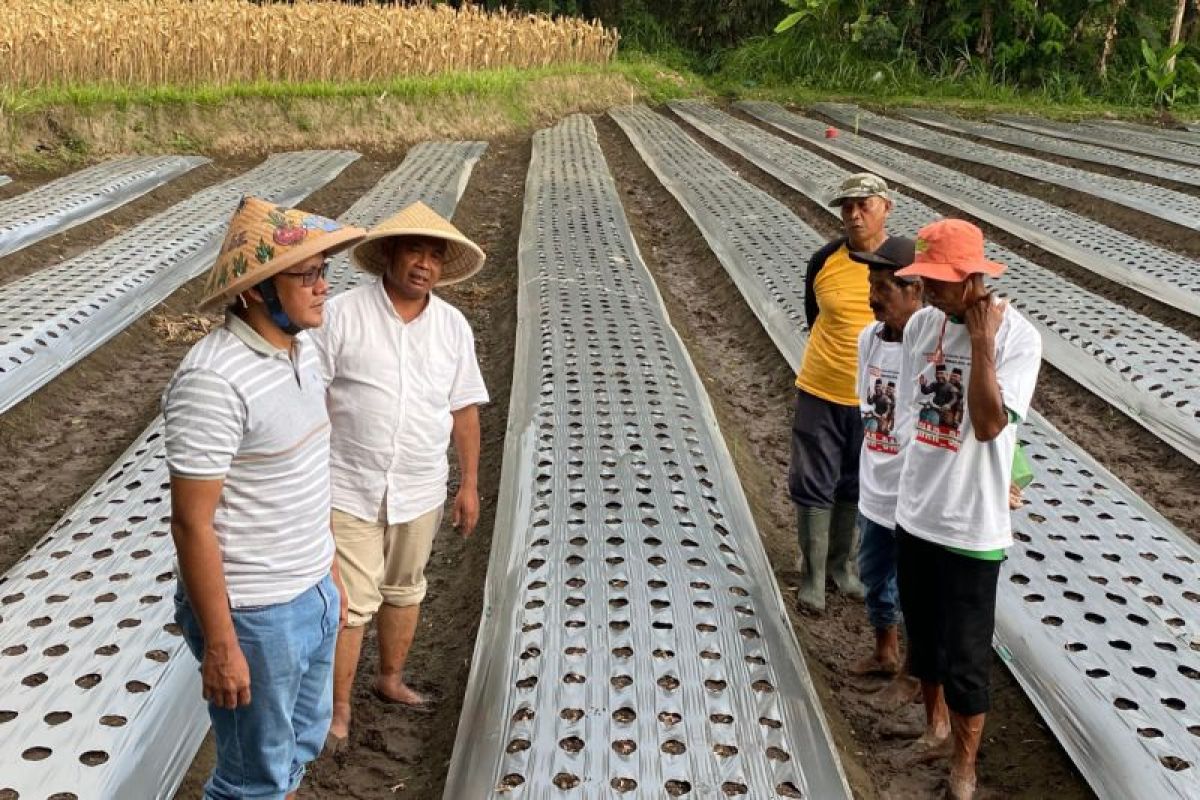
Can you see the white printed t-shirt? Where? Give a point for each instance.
(241, 409)
(883, 422)
(392, 387)
(954, 488)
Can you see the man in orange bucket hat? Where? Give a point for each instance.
(952, 513)
(247, 442)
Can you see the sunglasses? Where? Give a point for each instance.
(310, 277)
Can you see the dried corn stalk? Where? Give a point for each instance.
(218, 42)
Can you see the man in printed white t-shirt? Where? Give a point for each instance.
(893, 301)
(403, 381)
(952, 513)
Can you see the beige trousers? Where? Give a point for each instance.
(383, 563)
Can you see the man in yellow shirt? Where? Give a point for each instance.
(827, 430)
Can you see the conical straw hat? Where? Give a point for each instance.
(463, 257)
(264, 239)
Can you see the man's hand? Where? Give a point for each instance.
(343, 598)
(1016, 498)
(225, 676)
(984, 318)
(466, 443)
(466, 510)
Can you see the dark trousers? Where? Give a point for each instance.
(826, 442)
(949, 604)
(877, 568)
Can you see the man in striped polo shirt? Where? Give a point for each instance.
(247, 441)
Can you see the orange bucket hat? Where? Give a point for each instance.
(950, 250)
(265, 239)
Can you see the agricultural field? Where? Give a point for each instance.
(139, 43)
(645, 240)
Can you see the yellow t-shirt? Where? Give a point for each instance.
(831, 357)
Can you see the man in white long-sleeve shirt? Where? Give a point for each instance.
(403, 381)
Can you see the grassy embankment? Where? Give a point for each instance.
(778, 69)
(808, 71)
(95, 77)
(51, 127)
(46, 128)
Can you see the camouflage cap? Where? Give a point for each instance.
(861, 184)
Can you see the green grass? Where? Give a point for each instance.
(784, 69)
(765, 68)
(658, 82)
(63, 121)
(56, 127)
(662, 79)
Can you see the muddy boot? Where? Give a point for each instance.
(843, 532)
(813, 527)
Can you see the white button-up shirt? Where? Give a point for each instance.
(391, 388)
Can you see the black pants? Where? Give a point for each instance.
(949, 604)
(826, 441)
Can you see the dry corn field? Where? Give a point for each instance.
(212, 42)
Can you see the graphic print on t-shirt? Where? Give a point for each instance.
(942, 399)
(879, 413)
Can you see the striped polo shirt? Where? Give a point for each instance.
(242, 410)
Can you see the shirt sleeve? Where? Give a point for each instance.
(811, 308)
(205, 420)
(1017, 366)
(468, 388)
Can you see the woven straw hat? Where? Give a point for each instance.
(463, 257)
(264, 239)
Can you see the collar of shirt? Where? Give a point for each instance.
(383, 297)
(254, 340)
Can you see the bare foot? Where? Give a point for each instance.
(339, 726)
(397, 691)
(902, 691)
(930, 748)
(960, 786)
(873, 664)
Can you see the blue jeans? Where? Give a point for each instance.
(877, 569)
(264, 747)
